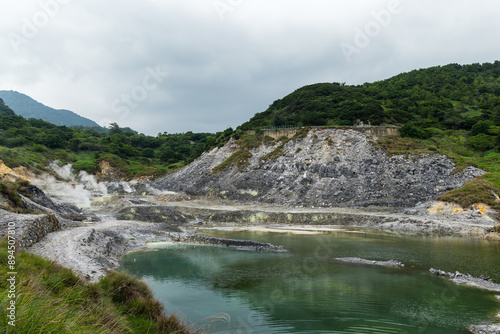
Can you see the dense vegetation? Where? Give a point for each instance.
(25, 106)
(52, 299)
(448, 97)
(33, 143)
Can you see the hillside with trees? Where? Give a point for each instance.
(452, 110)
(451, 97)
(34, 143)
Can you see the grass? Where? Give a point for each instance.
(52, 299)
(37, 162)
(453, 144)
(240, 158)
(274, 154)
(478, 190)
(482, 189)
(10, 192)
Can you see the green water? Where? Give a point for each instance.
(306, 291)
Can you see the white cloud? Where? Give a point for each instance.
(221, 72)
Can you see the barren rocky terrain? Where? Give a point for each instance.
(327, 168)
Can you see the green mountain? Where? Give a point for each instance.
(4, 110)
(27, 107)
(445, 97)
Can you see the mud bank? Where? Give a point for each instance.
(246, 245)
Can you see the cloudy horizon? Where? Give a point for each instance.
(204, 65)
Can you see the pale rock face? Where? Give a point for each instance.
(328, 167)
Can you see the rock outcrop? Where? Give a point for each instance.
(28, 229)
(486, 328)
(481, 282)
(246, 245)
(36, 200)
(327, 167)
(357, 260)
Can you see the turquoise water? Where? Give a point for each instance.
(223, 290)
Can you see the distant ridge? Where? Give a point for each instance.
(4, 110)
(27, 107)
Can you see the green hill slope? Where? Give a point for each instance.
(34, 143)
(27, 107)
(446, 97)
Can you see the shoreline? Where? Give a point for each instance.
(93, 249)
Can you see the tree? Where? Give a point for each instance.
(148, 153)
(482, 127)
(53, 141)
(114, 129)
(413, 131)
(482, 142)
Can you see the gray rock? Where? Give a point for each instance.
(390, 263)
(481, 282)
(246, 245)
(486, 328)
(29, 229)
(354, 175)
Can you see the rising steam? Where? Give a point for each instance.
(77, 189)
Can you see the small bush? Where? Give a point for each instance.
(86, 165)
(413, 131)
(39, 148)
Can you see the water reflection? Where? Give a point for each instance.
(306, 291)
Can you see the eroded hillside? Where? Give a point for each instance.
(320, 167)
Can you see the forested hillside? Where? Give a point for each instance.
(34, 143)
(445, 97)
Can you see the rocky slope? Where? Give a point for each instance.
(327, 167)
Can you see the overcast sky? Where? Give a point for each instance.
(204, 65)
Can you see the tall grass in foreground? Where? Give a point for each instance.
(52, 299)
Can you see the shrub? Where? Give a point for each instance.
(39, 148)
(86, 165)
(482, 127)
(148, 153)
(482, 142)
(413, 131)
